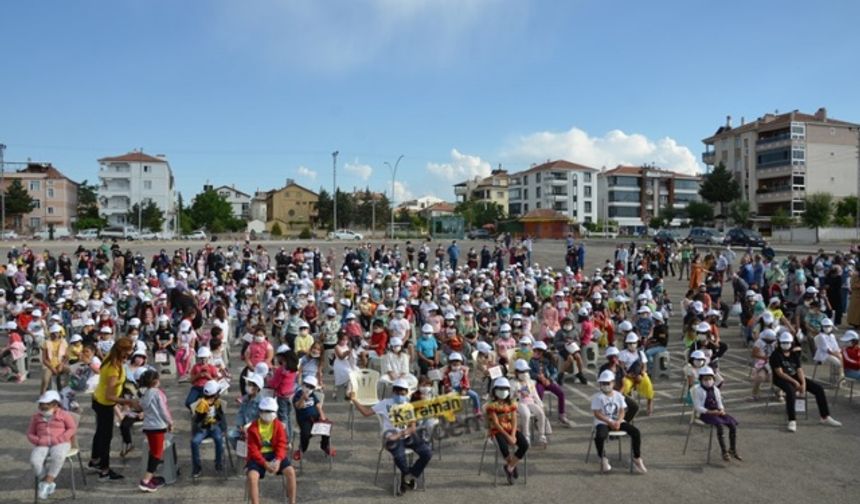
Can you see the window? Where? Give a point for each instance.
(587, 207)
(623, 211)
(798, 205)
(525, 180)
(798, 154)
(525, 194)
(773, 158)
(586, 177)
(687, 184)
(685, 198)
(36, 223)
(537, 192)
(50, 183)
(224, 194)
(514, 194)
(147, 184)
(50, 210)
(587, 190)
(628, 196)
(537, 177)
(50, 193)
(525, 207)
(145, 168)
(624, 181)
(35, 185)
(537, 205)
(37, 203)
(799, 180)
(500, 194)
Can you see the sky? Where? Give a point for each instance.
(254, 93)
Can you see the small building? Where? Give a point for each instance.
(437, 210)
(418, 204)
(292, 207)
(239, 201)
(546, 223)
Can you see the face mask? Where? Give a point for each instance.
(698, 363)
(133, 337)
(707, 382)
(427, 335)
(827, 329)
(785, 346)
(455, 367)
(315, 355)
(47, 414)
(502, 393)
(395, 349)
(425, 391)
(309, 389)
(505, 335)
(631, 346)
(606, 388)
(400, 399)
(268, 416)
(518, 322)
(702, 337)
(522, 375)
(259, 339)
(568, 327)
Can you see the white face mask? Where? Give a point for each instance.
(395, 349)
(606, 388)
(505, 335)
(698, 363)
(259, 339)
(827, 329)
(707, 382)
(502, 393)
(268, 416)
(455, 366)
(522, 375)
(786, 345)
(631, 346)
(425, 391)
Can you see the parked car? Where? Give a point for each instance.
(119, 232)
(146, 234)
(196, 235)
(744, 237)
(479, 234)
(10, 235)
(708, 236)
(345, 234)
(666, 236)
(88, 234)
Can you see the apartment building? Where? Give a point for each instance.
(492, 189)
(55, 197)
(239, 201)
(419, 204)
(135, 178)
(632, 195)
(559, 185)
(781, 158)
(292, 208)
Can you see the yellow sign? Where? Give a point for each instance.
(446, 406)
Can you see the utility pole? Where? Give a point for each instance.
(393, 179)
(2, 194)
(334, 194)
(372, 214)
(857, 222)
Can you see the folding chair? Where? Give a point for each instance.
(805, 402)
(662, 363)
(616, 435)
(591, 354)
(410, 455)
(497, 465)
(74, 452)
(301, 461)
(363, 382)
(694, 420)
(850, 382)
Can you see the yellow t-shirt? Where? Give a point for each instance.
(304, 343)
(266, 433)
(105, 373)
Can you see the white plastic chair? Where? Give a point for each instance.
(616, 435)
(591, 354)
(410, 454)
(496, 464)
(363, 382)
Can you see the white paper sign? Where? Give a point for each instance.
(242, 448)
(267, 392)
(800, 405)
(495, 372)
(321, 429)
(435, 374)
(161, 358)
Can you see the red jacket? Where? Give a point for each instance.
(255, 444)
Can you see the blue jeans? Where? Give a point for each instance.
(193, 394)
(416, 444)
(476, 399)
(217, 435)
(650, 353)
(284, 408)
(852, 373)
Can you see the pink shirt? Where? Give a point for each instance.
(257, 352)
(283, 382)
(587, 328)
(58, 429)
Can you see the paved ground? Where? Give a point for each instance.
(817, 463)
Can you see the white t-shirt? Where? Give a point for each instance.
(610, 405)
(381, 409)
(628, 358)
(825, 343)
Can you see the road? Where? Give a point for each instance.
(816, 464)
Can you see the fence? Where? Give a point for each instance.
(807, 235)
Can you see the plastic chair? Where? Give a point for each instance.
(850, 382)
(169, 468)
(662, 363)
(805, 402)
(496, 464)
(616, 435)
(363, 383)
(327, 456)
(74, 452)
(410, 455)
(591, 354)
(694, 420)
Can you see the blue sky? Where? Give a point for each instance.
(252, 93)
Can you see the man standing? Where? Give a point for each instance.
(453, 254)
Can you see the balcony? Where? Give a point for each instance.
(558, 182)
(709, 157)
(772, 139)
(461, 190)
(114, 190)
(559, 197)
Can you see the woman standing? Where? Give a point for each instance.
(854, 302)
(107, 395)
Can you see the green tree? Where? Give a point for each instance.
(667, 215)
(211, 211)
(478, 213)
(656, 222)
(276, 230)
(186, 223)
(720, 187)
(846, 211)
(739, 211)
(18, 201)
(699, 213)
(780, 219)
(88, 208)
(346, 209)
(151, 216)
(819, 208)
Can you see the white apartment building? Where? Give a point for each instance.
(418, 204)
(135, 178)
(779, 159)
(632, 195)
(559, 185)
(240, 202)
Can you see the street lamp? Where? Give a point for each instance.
(334, 195)
(393, 178)
(2, 194)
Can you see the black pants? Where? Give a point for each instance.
(103, 435)
(791, 395)
(631, 408)
(125, 428)
(522, 445)
(733, 436)
(601, 432)
(305, 427)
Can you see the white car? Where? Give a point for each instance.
(88, 234)
(196, 235)
(345, 234)
(146, 234)
(10, 235)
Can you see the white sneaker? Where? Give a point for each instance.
(51, 488)
(43, 490)
(542, 441)
(831, 422)
(639, 466)
(792, 426)
(604, 465)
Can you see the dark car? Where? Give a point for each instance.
(479, 234)
(708, 236)
(744, 237)
(666, 236)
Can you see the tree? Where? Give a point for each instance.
(667, 215)
(699, 213)
(846, 211)
(151, 216)
(656, 222)
(345, 209)
(211, 211)
(720, 187)
(819, 208)
(186, 224)
(276, 230)
(739, 211)
(478, 213)
(780, 219)
(18, 200)
(88, 208)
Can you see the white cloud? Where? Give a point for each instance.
(609, 150)
(306, 172)
(461, 167)
(402, 192)
(363, 171)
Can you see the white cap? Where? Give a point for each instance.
(610, 351)
(750, 293)
(75, 338)
(774, 300)
(261, 369)
(11, 325)
(539, 345)
(400, 383)
(134, 322)
(49, 397)
(768, 335)
(501, 382)
(37, 313)
(825, 322)
(706, 371)
(350, 316)
(330, 312)
(644, 309)
(283, 348)
(57, 328)
(204, 352)
(105, 330)
(767, 317)
(395, 342)
(625, 326)
(850, 336)
(658, 316)
(526, 340)
(211, 388)
(583, 312)
(505, 327)
(455, 356)
(483, 347)
(785, 337)
(185, 326)
(427, 329)
(703, 327)
(631, 337)
(255, 379)
(269, 404)
(606, 376)
(521, 365)
(698, 307)
(303, 324)
(310, 380)
(698, 355)
(809, 290)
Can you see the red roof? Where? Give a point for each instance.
(442, 206)
(558, 164)
(638, 170)
(544, 214)
(134, 157)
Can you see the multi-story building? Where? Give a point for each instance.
(132, 179)
(292, 207)
(55, 197)
(563, 186)
(779, 159)
(632, 195)
(418, 204)
(492, 189)
(240, 202)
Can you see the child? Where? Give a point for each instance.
(455, 377)
(201, 373)
(304, 340)
(308, 412)
(258, 350)
(311, 363)
(267, 452)
(207, 422)
(105, 342)
(283, 384)
(76, 346)
(184, 352)
(345, 362)
(249, 408)
(14, 355)
(126, 415)
(157, 421)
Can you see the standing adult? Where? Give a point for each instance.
(108, 394)
(854, 302)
